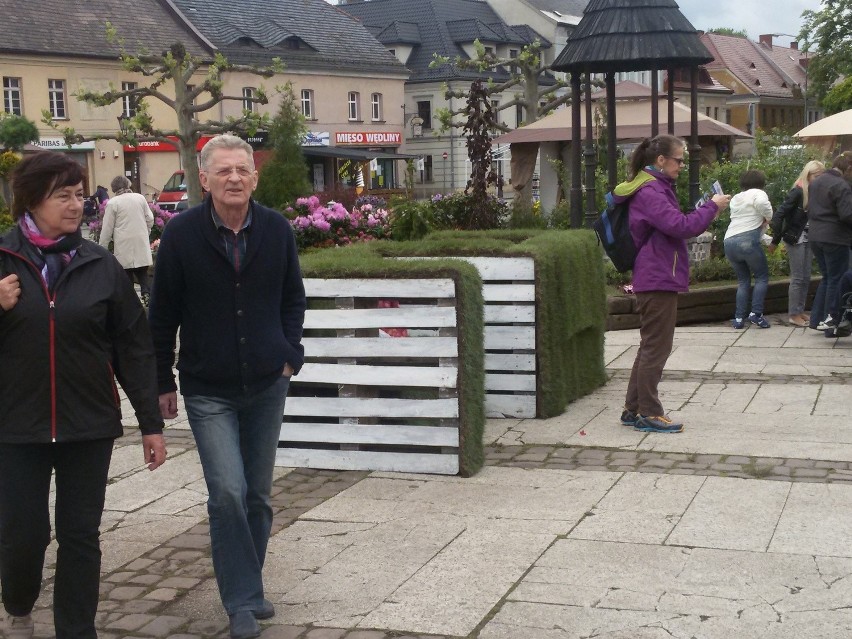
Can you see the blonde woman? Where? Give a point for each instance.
(790, 224)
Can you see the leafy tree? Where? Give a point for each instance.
(827, 32)
(526, 72)
(192, 96)
(284, 177)
(739, 33)
(16, 131)
(839, 97)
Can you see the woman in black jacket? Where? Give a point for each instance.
(70, 323)
(790, 224)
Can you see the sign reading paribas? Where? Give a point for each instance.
(58, 144)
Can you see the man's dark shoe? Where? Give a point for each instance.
(244, 625)
(658, 424)
(628, 417)
(266, 610)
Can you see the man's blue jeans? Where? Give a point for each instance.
(237, 439)
(745, 253)
(833, 262)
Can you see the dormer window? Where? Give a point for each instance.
(293, 43)
(752, 66)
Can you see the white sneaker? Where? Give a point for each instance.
(826, 324)
(19, 627)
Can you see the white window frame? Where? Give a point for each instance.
(354, 102)
(128, 102)
(12, 96)
(248, 104)
(307, 96)
(56, 99)
(376, 107)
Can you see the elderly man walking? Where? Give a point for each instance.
(228, 277)
(127, 224)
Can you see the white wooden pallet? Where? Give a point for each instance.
(508, 289)
(364, 402)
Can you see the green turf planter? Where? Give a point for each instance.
(569, 302)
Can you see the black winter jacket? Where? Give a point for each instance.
(60, 353)
(830, 209)
(789, 219)
(237, 329)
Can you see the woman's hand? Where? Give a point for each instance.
(154, 449)
(10, 291)
(721, 201)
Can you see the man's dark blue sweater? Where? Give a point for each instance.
(237, 329)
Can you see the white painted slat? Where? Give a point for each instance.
(509, 362)
(371, 407)
(416, 347)
(504, 314)
(365, 460)
(509, 382)
(494, 268)
(508, 292)
(439, 316)
(371, 434)
(439, 288)
(362, 374)
(509, 405)
(502, 338)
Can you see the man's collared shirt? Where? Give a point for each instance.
(235, 243)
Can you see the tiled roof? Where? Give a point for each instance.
(256, 31)
(531, 35)
(631, 35)
(755, 66)
(561, 7)
(398, 33)
(443, 25)
(77, 28)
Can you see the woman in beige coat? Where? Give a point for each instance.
(127, 223)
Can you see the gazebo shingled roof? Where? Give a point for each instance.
(632, 35)
(628, 35)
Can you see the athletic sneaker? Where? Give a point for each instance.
(628, 417)
(738, 323)
(826, 324)
(659, 424)
(758, 320)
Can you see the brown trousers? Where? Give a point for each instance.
(657, 316)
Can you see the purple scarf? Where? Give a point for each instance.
(56, 254)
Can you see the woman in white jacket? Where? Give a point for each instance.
(750, 214)
(127, 223)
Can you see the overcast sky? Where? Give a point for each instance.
(754, 16)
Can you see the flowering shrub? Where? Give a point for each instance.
(317, 225)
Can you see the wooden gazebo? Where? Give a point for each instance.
(628, 35)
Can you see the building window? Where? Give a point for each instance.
(128, 102)
(354, 106)
(519, 115)
(249, 104)
(12, 96)
(376, 107)
(427, 169)
(308, 104)
(56, 97)
(424, 110)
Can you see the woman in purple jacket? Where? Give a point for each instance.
(661, 271)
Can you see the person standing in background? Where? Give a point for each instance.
(750, 213)
(790, 224)
(830, 236)
(127, 224)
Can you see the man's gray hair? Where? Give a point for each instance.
(224, 141)
(118, 183)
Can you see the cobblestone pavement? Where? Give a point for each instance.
(149, 597)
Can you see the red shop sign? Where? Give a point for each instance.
(157, 146)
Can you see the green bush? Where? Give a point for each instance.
(409, 219)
